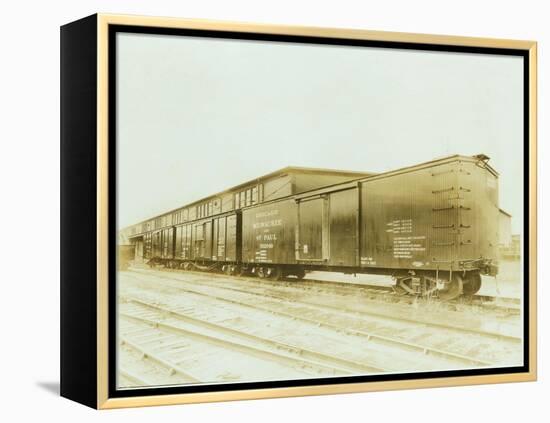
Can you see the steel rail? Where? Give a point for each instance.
(153, 356)
(305, 360)
(476, 299)
(496, 335)
(369, 336)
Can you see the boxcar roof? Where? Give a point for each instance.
(296, 170)
(432, 163)
(356, 176)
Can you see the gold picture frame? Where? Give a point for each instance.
(88, 189)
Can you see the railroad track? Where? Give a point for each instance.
(279, 292)
(508, 305)
(187, 357)
(163, 337)
(151, 354)
(353, 323)
(314, 362)
(142, 365)
(387, 293)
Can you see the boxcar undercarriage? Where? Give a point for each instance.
(444, 285)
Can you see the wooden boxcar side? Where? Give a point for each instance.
(167, 250)
(202, 239)
(147, 245)
(225, 238)
(156, 244)
(343, 214)
(268, 233)
(182, 247)
(218, 238)
(233, 248)
(407, 220)
(479, 230)
(326, 232)
(211, 239)
(311, 230)
(428, 217)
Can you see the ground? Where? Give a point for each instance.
(178, 327)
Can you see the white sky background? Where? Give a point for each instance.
(196, 116)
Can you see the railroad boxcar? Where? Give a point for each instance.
(433, 227)
(209, 229)
(216, 239)
(430, 221)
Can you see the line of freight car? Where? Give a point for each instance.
(433, 227)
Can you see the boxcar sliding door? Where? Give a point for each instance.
(231, 226)
(219, 235)
(203, 240)
(312, 234)
(343, 210)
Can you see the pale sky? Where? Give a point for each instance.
(196, 115)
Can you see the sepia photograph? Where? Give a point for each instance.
(294, 210)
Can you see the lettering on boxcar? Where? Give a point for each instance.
(266, 237)
(261, 257)
(265, 240)
(269, 213)
(268, 224)
(368, 261)
(406, 246)
(403, 226)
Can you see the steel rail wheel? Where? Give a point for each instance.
(275, 273)
(472, 284)
(452, 289)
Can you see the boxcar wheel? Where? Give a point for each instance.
(237, 270)
(300, 274)
(452, 290)
(261, 272)
(472, 284)
(276, 273)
